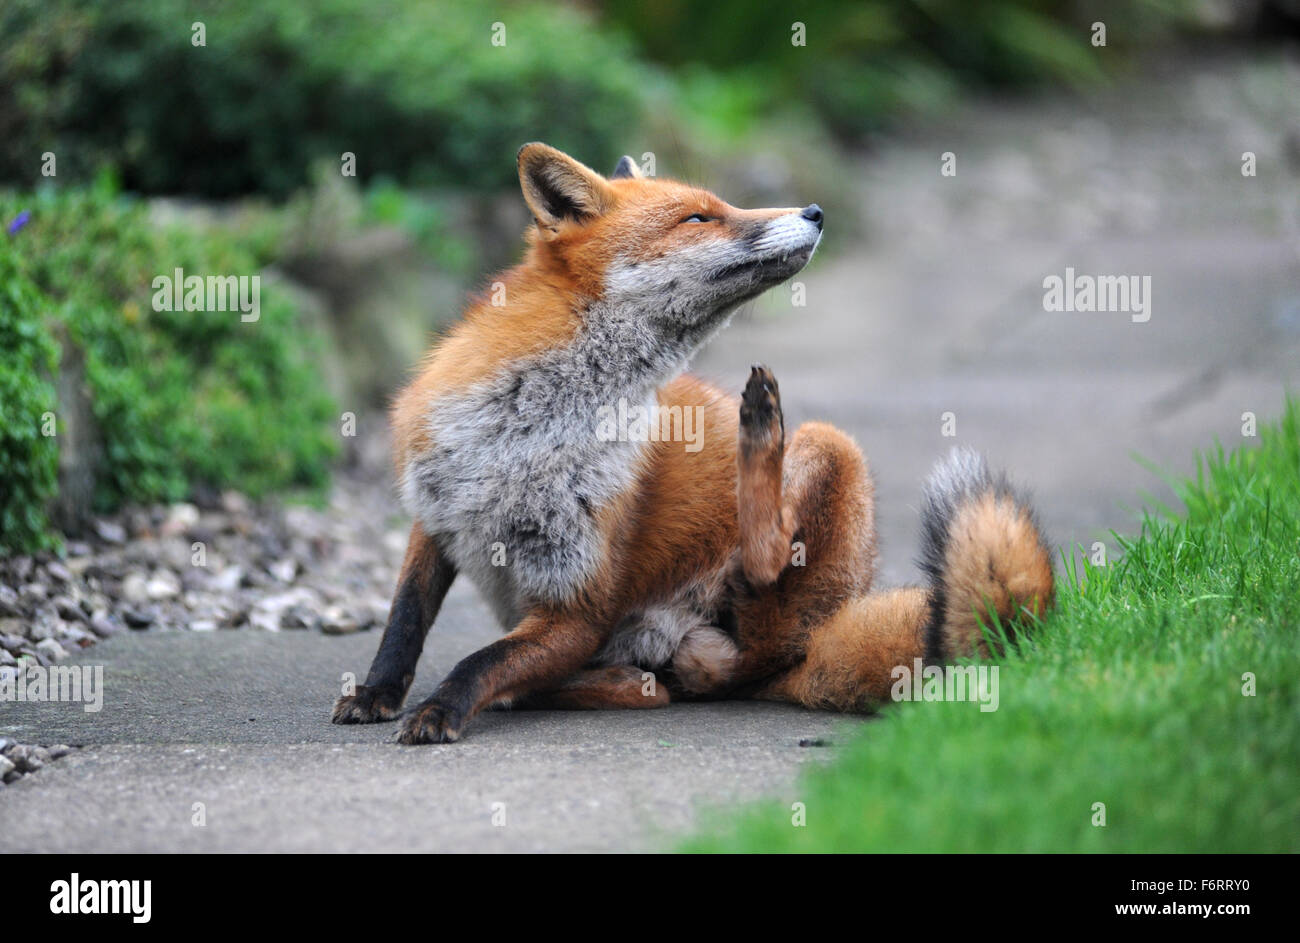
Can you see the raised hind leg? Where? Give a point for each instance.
(807, 531)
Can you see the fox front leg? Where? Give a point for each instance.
(426, 576)
(546, 648)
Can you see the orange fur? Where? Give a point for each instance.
(994, 559)
(621, 687)
(849, 658)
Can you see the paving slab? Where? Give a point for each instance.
(237, 721)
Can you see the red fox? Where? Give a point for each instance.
(738, 563)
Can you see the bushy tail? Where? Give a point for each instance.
(982, 553)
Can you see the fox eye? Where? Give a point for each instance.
(697, 218)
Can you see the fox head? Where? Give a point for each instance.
(677, 254)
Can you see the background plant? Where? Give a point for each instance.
(181, 400)
(417, 90)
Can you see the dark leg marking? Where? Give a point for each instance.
(426, 577)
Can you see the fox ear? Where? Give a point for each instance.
(556, 187)
(626, 168)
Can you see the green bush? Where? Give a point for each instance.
(28, 457)
(867, 62)
(180, 399)
(416, 91)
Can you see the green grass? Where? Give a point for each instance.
(1131, 694)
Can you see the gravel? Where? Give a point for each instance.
(18, 759)
(229, 564)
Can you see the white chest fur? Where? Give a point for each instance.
(518, 472)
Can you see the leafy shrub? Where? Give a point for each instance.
(417, 91)
(181, 399)
(868, 61)
(28, 458)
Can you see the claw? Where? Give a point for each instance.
(431, 722)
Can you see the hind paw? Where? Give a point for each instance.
(761, 421)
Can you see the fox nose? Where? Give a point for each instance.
(813, 213)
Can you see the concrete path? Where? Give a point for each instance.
(238, 721)
(937, 307)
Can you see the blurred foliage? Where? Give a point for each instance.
(28, 458)
(417, 91)
(333, 210)
(867, 62)
(423, 96)
(426, 218)
(180, 398)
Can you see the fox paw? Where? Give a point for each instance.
(367, 706)
(761, 421)
(431, 722)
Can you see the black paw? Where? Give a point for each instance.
(431, 722)
(367, 706)
(761, 420)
